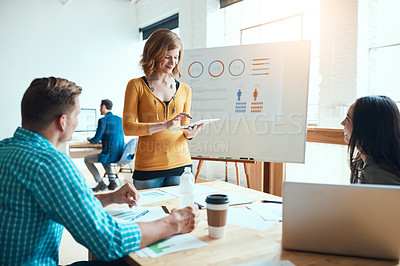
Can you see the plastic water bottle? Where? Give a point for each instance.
(186, 189)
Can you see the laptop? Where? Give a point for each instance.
(353, 220)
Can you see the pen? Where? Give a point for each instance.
(200, 206)
(140, 215)
(245, 158)
(165, 209)
(271, 201)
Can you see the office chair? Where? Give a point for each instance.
(124, 163)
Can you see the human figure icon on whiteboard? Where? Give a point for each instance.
(240, 107)
(239, 94)
(256, 106)
(255, 94)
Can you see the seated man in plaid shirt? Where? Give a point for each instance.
(42, 191)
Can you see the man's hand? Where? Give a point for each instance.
(178, 222)
(126, 194)
(185, 219)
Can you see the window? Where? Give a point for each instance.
(170, 23)
(265, 21)
(225, 3)
(384, 48)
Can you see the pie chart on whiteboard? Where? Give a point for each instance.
(216, 68)
(195, 69)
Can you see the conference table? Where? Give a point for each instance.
(243, 245)
(80, 149)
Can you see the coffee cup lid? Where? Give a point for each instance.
(217, 199)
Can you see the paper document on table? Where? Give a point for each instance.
(152, 196)
(199, 122)
(198, 189)
(234, 199)
(267, 263)
(248, 218)
(126, 214)
(268, 211)
(172, 244)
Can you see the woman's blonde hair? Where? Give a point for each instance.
(159, 43)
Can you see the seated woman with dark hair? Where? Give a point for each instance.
(372, 131)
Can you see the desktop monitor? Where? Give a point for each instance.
(87, 120)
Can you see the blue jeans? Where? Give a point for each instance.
(157, 182)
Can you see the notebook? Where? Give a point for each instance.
(354, 220)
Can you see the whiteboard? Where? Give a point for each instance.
(259, 92)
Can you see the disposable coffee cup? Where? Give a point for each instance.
(217, 211)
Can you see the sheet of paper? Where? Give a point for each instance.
(148, 197)
(248, 218)
(141, 254)
(267, 263)
(126, 214)
(268, 211)
(198, 189)
(234, 199)
(172, 244)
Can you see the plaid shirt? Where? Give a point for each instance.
(41, 191)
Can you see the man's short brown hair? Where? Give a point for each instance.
(107, 103)
(45, 100)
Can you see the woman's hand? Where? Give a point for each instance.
(191, 132)
(157, 127)
(174, 121)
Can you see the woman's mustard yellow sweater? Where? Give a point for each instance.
(165, 149)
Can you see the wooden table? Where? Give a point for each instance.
(81, 149)
(243, 245)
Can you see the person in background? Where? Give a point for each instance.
(42, 191)
(154, 104)
(372, 131)
(109, 132)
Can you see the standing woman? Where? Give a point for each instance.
(154, 104)
(372, 131)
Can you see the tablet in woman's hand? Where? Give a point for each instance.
(199, 122)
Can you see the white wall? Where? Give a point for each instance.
(91, 42)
